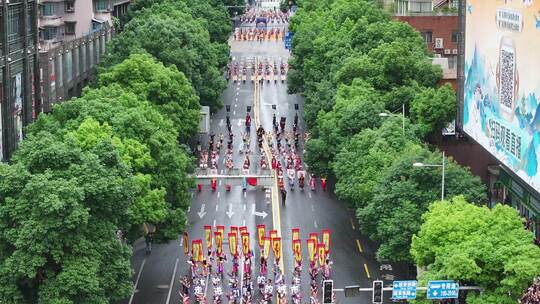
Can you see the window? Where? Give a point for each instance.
(69, 65)
(428, 36)
(48, 33)
(47, 9)
(70, 28)
(452, 62)
(455, 36)
(101, 5)
(70, 6)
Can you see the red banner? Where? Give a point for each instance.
(326, 240)
(273, 234)
(314, 236)
(208, 236)
(276, 246)
(245, 243)
(321, 252)
(242, 229)
(222, 229)
(233, 241)
(218, 235)
(312, 247)
(261, 232)
(185, 243)
(297, 250)
(295, 234)
(234, 230)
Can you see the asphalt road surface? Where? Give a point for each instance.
(157, 274)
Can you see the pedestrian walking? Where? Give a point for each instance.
(283, 195)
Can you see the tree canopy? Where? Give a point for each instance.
(477, 246)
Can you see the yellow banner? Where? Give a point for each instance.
(266, 251)
(261, 231)
(313, 236)
(245, 243)
(311, 249)
(276, 246)
(218, 235)
(195, 250)
(233, 243)
(321, 253)
(297, 250)
(185, 243)
(295, 234)
(326, 240)
(234, 230)
(208, 237)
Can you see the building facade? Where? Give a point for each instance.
(66, 20)
(18, 71)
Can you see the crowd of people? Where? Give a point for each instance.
(259, 34)
(267, 69)
(532, 295)
(273, 16)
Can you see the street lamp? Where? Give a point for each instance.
(420, 165)
(386, 114)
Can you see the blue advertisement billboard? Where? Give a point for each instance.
(501, 108)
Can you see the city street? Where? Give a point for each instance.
(157, 274)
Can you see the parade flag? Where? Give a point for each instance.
(201, 251)
(295, 234)
(222, 229)
(242, 229)
(233, 241)
(311, 249)
(245, 243)
(185, 240)
(195, 250)
(266, 250)
(326, 240)
(261, 232)
(321, 251)
(276, 246)
(313, 236)
(218, 235)
(273, 234)
(208, 236)
(297, 250)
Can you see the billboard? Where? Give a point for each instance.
(502, 84)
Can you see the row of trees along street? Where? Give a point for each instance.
(114, 158)
(352, 61)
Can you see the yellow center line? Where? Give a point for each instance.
(367, 271)
(359, 246)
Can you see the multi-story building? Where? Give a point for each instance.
(18, 71)
(65, 20)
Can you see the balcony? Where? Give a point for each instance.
(50, 21)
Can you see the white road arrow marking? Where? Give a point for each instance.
(221, 123)
(202, 213)
(261, 214)
(230, 212)
(241, 122)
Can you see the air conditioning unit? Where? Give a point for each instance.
(437, 56)
(454, 51)
(439, 43)
(447, 51)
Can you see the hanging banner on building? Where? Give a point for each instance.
(321, 253)
(245, 243)
(218, 235)
(185, 243)
(208, 236)
(295, 234)
(501, 108)
(312, 247)
(276, 246)
(266, 249)
(297, 250)
(261, 232)
(233, 243)
(326, 240)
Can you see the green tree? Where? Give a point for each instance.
(433, 108)
(60, 206)
(215, 18)
(477, 246)
(404, 193)
(166, 87)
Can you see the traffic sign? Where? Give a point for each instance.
(288, 40)
(443, 290)
(404, 290)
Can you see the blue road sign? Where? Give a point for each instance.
(442, 290)
(404, 290)
(288, 40)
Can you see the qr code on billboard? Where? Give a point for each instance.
(507, 78)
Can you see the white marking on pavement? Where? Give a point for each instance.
(234, 112)
(312, 208)
(192, 194)
(188, 209)
(218, 194)
(220, 182)
(244, 194)
(245, 207)
(315, 224)
(309, 194)
(201, 213)
(172, 282)
(230, 212)
(214, 223)
(217, 206)
(243, 222)
(137, 281)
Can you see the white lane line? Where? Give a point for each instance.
(218, 194)
(192, 194)
(312, 208)
(245, 206)
(188, 209)
(214, 223)
(220, 182)
(234, 112)
(172, 282)
(137, 281)
(309, 194)
(315, 224)
(244, 194)
(217, 207)
(243, 222)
